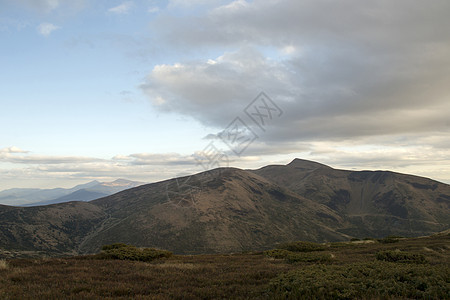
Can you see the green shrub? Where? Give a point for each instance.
(302, 246)
(354, 239)
(128, 252)
(401, 257)
(293, 257)
(114, 246)
(277, 253)
(374, 280)
(309, 257)
(388, 240)
(339, 245)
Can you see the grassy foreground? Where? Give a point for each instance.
(405, 268)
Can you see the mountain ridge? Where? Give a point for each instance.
(92, 190)
(230, 210)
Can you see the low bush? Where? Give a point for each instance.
(293, 257)
(302, 246)
(114, 246)
(389, 239)
(277, 253)
(128, 252)
(401, 257)
(339, 245)
(376, 279)
(309, 257)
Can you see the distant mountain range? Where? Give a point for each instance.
(84, 192)
(229, 210)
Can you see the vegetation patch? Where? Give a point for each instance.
(277, 253)
(302, 246)
(309, 257)
(294, 257)
(129, 252)
(389, 239)
(354, 273)
(363, 281)
(400, 256)
(3, 265)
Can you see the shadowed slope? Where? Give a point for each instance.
(377, 203)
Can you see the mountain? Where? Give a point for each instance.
(223, 210)
(83, 195)
(54, 229)
(230, 210)
(83, 192)
(376, 203)
(27, 196)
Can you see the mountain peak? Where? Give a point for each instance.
(305, 164)
(121, 183)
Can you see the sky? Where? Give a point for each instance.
(151, 90)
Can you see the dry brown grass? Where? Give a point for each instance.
(188, 277)
(240, 276)
(176, 265)
(3, 264)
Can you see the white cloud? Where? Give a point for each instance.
(216, 90)
(123, 8)
(147, 167)
(12, 149)
(189, 3)
(153, 9)
(288, 50)
(46, 29)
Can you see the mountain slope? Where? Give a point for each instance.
(223, 210)
(230, 210)
(82, 195)
(54, 229)
(377, 203)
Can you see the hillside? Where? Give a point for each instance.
(225, 210)
(54, 229)
(344, 270)
(376, 203)
(231, 210)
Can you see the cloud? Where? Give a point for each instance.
(49, 6)
(346, 74)
(146, 167)
(153, 9)
(12, 149)
(190, 3)
(6, 156)
(41, 5)
(121, 9)
(215, 91)
(340, 70)
(46, 29)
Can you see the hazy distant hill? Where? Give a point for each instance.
(18, 196)
(229, 210)
(83, 192)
